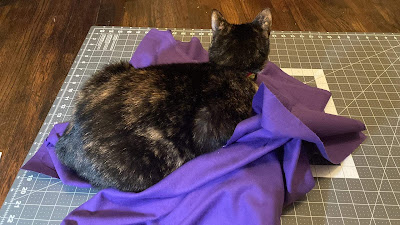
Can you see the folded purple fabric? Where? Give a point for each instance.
(263, 167)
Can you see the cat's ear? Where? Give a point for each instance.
(218, 21)
(264, 19)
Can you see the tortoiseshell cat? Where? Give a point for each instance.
(132, 127)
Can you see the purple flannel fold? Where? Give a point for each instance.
(263, 167)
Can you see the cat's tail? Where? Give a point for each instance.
(68, 146)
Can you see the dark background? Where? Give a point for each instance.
(39, 40)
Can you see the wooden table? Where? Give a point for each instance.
(39, 40)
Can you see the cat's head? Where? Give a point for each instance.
(240, 46)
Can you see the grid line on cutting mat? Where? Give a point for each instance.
(361, 71)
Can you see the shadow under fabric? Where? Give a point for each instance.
(262, 168)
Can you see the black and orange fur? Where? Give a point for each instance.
(132, 127)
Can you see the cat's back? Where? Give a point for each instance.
(153, 85)
(162, 95)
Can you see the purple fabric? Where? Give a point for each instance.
(160, 47)
(263, 167)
